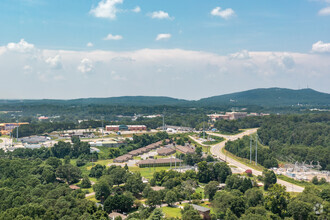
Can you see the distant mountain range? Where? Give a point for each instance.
(260, 97)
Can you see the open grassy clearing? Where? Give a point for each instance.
(201, 190)
(148, 172)
(92, 198)
(171, 212)
(104, 152)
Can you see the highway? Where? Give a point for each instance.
(216, 150)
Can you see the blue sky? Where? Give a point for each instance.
(157, 47)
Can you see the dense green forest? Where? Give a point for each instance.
(289, 138)
(29, 190)
(233, 126)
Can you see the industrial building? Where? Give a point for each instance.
(174, 129)
(34, 139)
(187, 149)
(137, 152)
(123, 158)
(233, 115)
(126, 128)
(108, 143)
(165, 151)
(158, 162)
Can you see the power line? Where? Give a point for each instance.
(250, 149)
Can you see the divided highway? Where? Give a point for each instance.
(217, 151)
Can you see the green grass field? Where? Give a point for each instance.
(201, 190)
(92, 198)
(147, 172)
(1, 140)
(171, 212)
(104, 152)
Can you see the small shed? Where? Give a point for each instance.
(203, 211)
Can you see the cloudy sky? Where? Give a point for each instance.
(180, 48)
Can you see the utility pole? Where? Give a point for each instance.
(175, 156)
(180, 162)
(250, 149)
(256, 148)
(203, 128)
(171, 163)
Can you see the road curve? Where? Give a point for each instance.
(217, 151)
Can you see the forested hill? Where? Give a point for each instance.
(257, 97)
(271, 97)
(123, 100)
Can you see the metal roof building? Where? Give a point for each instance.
(158, 162)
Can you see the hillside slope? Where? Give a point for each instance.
(270, 97)
(256, 97)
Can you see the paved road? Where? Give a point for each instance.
(216, 150)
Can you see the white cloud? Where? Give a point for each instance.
(137, 9)
(116, 76)
(89, 44)
(214, 74)
(160, 15)
(226, 13)
(242, 55)
(54, 62)
(283, 61)
(113, 37)
(163, 37)
(2, 50)
(27, 69)
(85, 66)
(106, 9)
(123, 59)
(324, 11)
(21, 46)
(321, 47)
